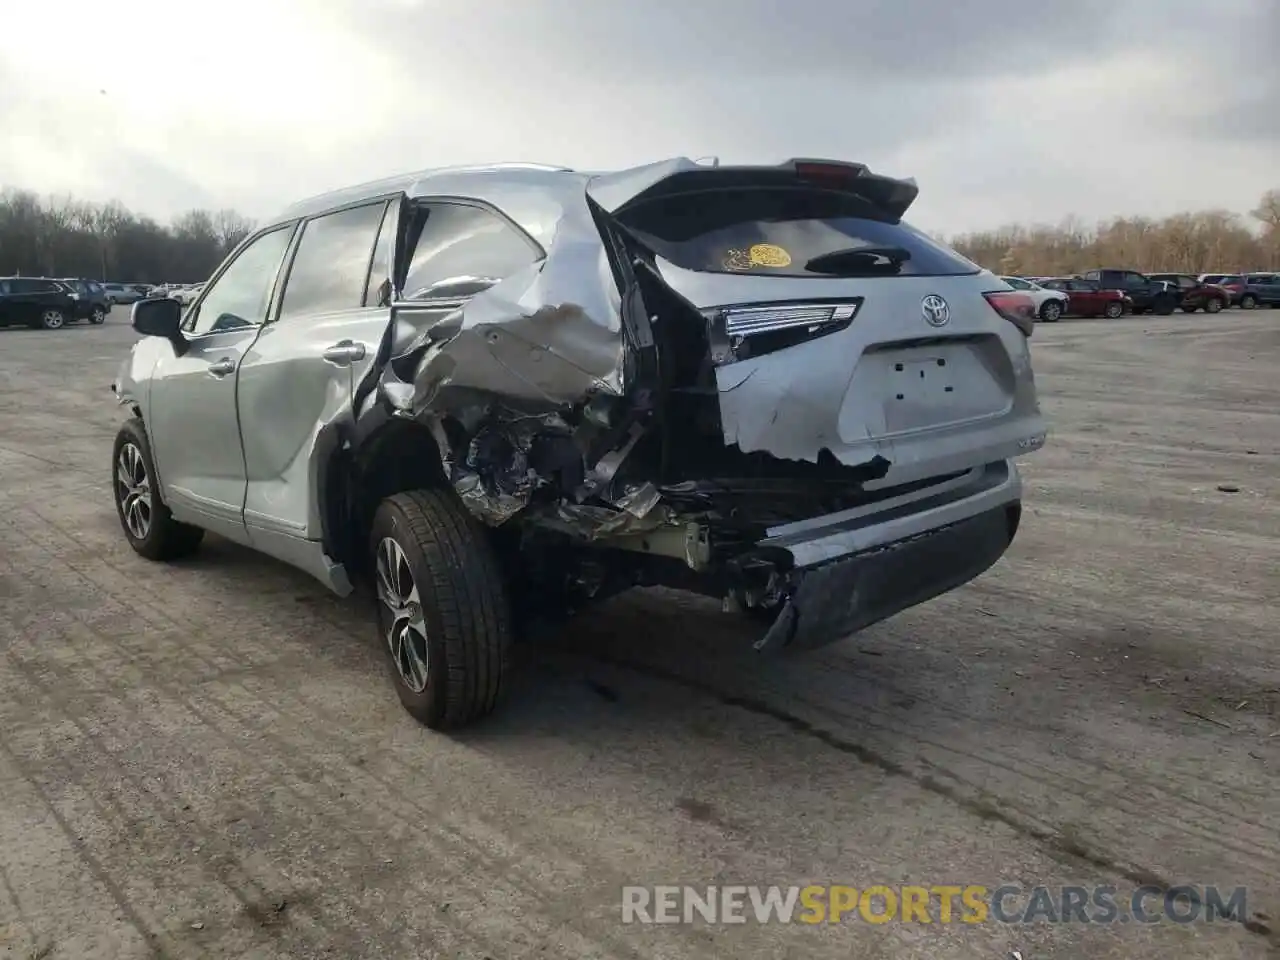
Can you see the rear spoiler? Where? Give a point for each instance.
(615, 192)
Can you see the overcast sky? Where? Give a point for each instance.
(1004, 110)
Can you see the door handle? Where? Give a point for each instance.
(344, 352)
(220, 368)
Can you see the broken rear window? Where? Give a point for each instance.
(790, 232)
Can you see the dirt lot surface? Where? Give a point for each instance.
(208, 760)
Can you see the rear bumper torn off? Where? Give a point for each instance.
(856, 568)
(835, 599)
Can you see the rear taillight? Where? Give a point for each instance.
(743, 331)
(1017, 308)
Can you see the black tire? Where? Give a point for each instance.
(1248, 301)
(51, 318)
(99, 315)
(1190, 309)
(163, 538)
(1051, 311)
(1165, 308)
(464, 606)
(1214, 305)
(1114, 310)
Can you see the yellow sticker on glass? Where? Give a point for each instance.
(769, 255)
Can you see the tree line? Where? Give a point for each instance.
(66, 237)
(1206, 241)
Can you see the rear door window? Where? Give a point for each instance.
(786, 232)
(331, 265)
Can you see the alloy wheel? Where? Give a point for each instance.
(401, 615)
(51, 319)
(133, 490)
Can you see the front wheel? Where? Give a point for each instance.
(1113, 310)
(1248, 301)
(147, 523)
(1165, 308)
(444, 612)
(1051, 311)
(1213, 305)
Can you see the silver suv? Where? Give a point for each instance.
(496, 394)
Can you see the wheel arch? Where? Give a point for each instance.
(389, 457)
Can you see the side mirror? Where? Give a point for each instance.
(160, 317)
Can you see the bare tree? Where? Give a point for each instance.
(1193, 242)
(230, 228)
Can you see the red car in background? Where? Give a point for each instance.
(1085, 298)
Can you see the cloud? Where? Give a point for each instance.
(1003, 110)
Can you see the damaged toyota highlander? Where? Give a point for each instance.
(496, 394)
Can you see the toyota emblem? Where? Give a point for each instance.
(935, 311)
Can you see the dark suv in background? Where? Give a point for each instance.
(35, 302)
(1196, 294)
(91, 300)
(1147, 294)
(1251, 290)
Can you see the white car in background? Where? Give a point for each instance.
(1050, 304)
(187, 294)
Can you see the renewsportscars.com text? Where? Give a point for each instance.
(940, 903)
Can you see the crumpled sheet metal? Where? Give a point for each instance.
(592, 523)
(494, 479)
(542, 338)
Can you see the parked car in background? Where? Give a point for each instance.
(91, 300)
(1050, 304)
(123, 293)
(1148, 296)
(1253, 290)
(1195, 294)
(35, 302)
(667, 387)
(1215, 278)
(1085, 298)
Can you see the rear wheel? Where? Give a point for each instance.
(1113, 310)
(1051, 311)
(443, 607)
(52, 318)
(1248, 301)
(99, 315)
(1190, 309)
(147, 523)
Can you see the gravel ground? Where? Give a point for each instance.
(208, 759)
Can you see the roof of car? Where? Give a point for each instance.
(468, 180)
